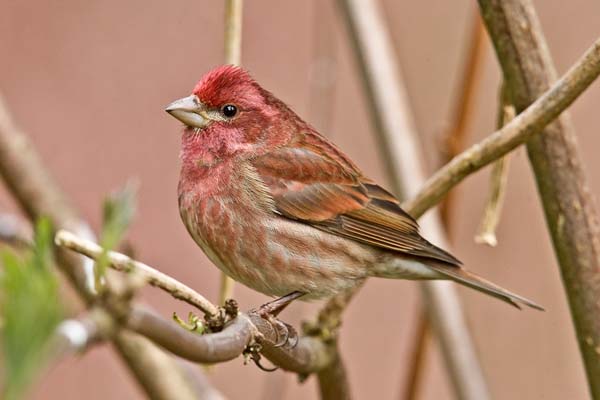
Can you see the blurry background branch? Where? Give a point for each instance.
(38, 195)
(233, 55)
(462, 105)
(521, 129)
(401, 151)
(568, 204)
(455, 137)
(498, 179)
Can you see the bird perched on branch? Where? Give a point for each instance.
(278, 207)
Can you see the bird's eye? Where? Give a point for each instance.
(229, 110)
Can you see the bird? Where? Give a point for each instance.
(280, 208)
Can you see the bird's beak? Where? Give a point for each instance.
(188, 110)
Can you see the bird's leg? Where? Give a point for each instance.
(269, 311)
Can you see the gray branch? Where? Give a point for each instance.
(568, 204)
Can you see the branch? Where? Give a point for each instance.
(568, 204)
(123, 263)
(529, 122)
(463, 104)
(498, 179)
(38, 195)
(309, 355)
(399, 145)
(233, 55)
(454, 143)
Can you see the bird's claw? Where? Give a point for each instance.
(285, 334)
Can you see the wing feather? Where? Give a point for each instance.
(316, 184)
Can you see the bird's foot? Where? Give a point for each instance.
(252, 353)
(285, 334)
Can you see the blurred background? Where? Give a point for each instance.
(89, 81)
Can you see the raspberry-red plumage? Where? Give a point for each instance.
(280, 208)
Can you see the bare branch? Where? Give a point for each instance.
(310, 355)
(463, 104)
(498, 180)
(233, 31)
(529, 122)
(233, 55)
(486, 233)
(391, 117)
(77, 335)
(123, 263)
(333, 380)
(569, 207)
(37, 194)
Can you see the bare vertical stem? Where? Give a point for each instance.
(470, 80)
(233, 55)
(330, 378)
(454, 143)
(420, 344)
(498, 180)
(322, 70)
(568, 204)
(401, 150)
(233, 32)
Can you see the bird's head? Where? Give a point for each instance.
(229, 113)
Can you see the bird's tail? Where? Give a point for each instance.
(473, 281)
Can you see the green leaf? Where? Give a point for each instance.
(30, 309)
(118, 211)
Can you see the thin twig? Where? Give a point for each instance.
(332, 380)
(310, 355)
(454, 143)
(400, 148)
(233, 55)
(233, 31)
(123, 263)
(498, 181)
(77, 335)
(529, 122)
(569, 206)
(486, 233)
(416, 361)
(464, 103)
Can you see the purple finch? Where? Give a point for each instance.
(278, 207)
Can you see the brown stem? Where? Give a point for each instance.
(233, 55)
(454, 143)
(417, 357)
(310, 355)
(333, 380)
(530, 121)
(470, 79)
(568, 204)
(486, 233)
(399, 146)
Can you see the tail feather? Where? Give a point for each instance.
(473, 281)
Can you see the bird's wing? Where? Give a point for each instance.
(322, 187)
